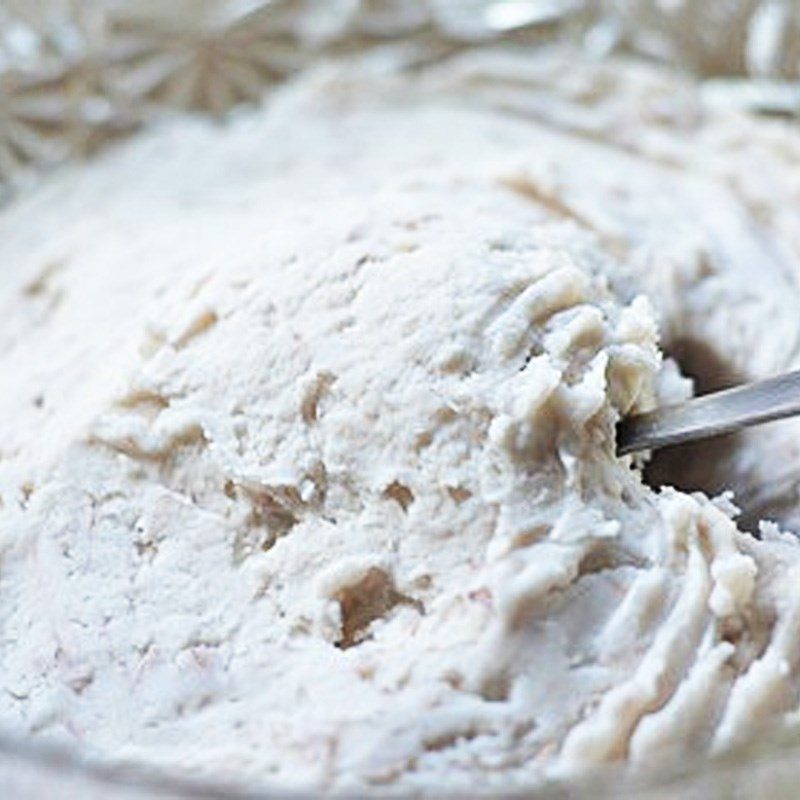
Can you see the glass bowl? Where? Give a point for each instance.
(78, 75)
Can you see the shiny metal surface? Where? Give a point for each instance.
(712, 414)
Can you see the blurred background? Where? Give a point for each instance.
(76, 74)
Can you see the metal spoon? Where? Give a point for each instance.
(711, 414)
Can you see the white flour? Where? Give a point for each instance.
(307, 471)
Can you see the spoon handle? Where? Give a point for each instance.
(712, 414)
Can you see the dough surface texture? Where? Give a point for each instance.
(307, 468)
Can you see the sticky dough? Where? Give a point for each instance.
(307, 469)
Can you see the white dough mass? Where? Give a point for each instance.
(307, 462)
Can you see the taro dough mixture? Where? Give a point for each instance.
(307, 463)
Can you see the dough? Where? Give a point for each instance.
(307, 469)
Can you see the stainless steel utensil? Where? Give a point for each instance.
(712, 414)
